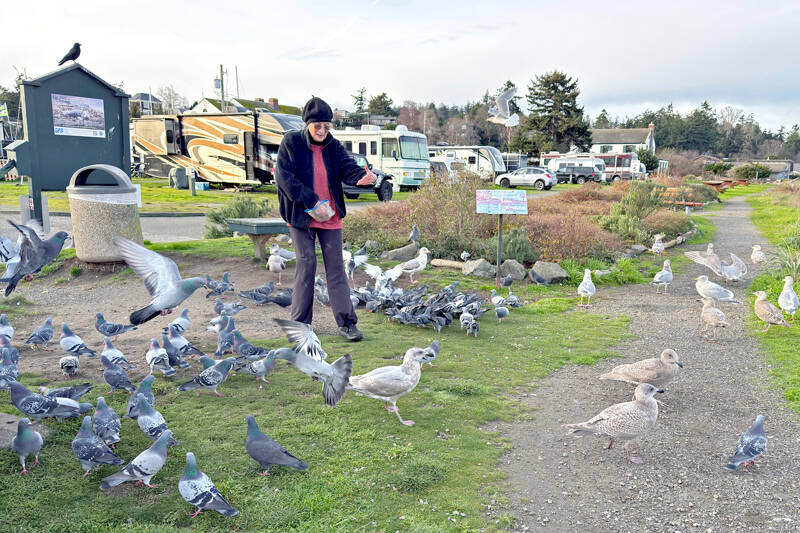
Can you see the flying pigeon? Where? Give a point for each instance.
(8, 370)
(72, 55)
(115, 376)
(42, 335)
(6, 329)
(106, 423)
(34, 254)
(73, 344)
(37, 406)
(143, 467)
(500, 113)
(161, 278)
(110, 329)
(198, 490)
(26, 442)
(266, 451)
(73, 392)
(210, 378)
(158, 359)
(145, 389)
(309, 358)
(114, 355)
(389, 383)
(90, 449)
(180, 324)
(586, 289)
(752, 443)
(150, 421)
(663, 277)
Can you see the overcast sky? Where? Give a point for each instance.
(627, 56)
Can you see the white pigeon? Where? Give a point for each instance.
(586, 289)
(757, 256)
(788, 299)
(709, 289)
(500, 113)
(658, 245)
(663, 277)
(410, 267)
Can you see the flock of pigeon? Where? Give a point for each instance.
(628, 420)
(94, 444)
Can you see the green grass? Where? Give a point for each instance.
(744, 191)
(772, 216)
(367, 473)
(211, 248)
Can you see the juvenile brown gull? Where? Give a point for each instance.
(657, 371)
(768, 312)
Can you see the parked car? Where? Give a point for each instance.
(383, 186)
(578, 174)
(536, 177)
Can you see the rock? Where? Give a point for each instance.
(282, 238)
(372, 246)
(600, 273)
(480, 268)
(552, 272)
(637, 249)
(513, 267)
(405, 253)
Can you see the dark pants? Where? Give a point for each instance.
(306, 269)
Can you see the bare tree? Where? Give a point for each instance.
(171, 100)
(729, 117)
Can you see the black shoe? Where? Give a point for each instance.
(351, 333)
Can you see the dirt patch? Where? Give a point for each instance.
(562, 483)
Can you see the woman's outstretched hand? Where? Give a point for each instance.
(368, 179)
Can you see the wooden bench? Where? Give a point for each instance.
(259, 230)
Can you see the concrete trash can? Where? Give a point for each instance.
(99, 212)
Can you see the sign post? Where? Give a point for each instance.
(500, 202)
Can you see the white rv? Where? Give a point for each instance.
(484, 160)
(401, 153)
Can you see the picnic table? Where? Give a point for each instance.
(259, 230)
(717, 185)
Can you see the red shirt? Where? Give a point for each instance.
(322, 191)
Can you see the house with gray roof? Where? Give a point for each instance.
(240, 105)
(148, 103)
(623, 140)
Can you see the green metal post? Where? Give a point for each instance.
(499, 247)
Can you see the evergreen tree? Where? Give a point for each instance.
(359, 101)
(602, 121)
(380, 105)
(791, 146)
(555, 113)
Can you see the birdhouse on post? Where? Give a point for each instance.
(72, 119)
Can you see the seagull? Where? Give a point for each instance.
(465, 255)
(752, 443)
(586, 289)
(276, 264)
(72, 55)
(354, 260)
(500, 113)
(788, 299)
(275, 248)
(657, 371)
(709, 289)
(712, 317)
(734, 270)
(658, 245)
(623, 421)
(663, 277)
(412, 266)
(389, 383)
(757, 256)
(768, 312)
(710, 259)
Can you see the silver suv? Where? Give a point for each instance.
(536, 177)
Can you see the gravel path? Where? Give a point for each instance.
(561, 483)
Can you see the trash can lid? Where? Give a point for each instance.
(77, 184)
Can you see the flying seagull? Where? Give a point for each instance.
(500, 113)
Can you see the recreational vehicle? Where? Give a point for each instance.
(617, 166)
(225, 148)
(401, 153)
(484, 160)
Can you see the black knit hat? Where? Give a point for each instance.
(317, 110)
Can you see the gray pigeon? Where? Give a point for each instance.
(414, 236)
(225, 338)
(106, 423)
(42, 335)
(507, 281)
(115, 376)
(246, 351)
(73, 392)
(90, 449)
(73, 344)
(266, 451)
(181, 324)
(198, 490)
(465, 255)
(145, 389)
(752, 443)
(114, 355)
(431, 352)
(173, 354)
(158, 359)
(537, 279)
(13, 353)
(261, 367)
(210, 378)
(185, 347)
(34, 254)
(26, 442)
(151, 422)
(37, 406)
(161, 278)
(229, 309)
(8, 370)
(501, 312)
(512, 300)
(6, 329)
(218, 288)
(334, 377)
(110, 329)
(143, 467)
(207, 362)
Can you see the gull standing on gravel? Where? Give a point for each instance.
(752, 443)
(658, 245)
(757, 256)
(712, 318)
(276, 264)
(663, 277)
(788, 299)
(586, 289)
(389, 383)
(623, 421)
(768, 312)
(708, 259)
(709, 289)
(656, 371)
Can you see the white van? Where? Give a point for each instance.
(560, 163)
(484, 160)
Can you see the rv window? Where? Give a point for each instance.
(472, 160)
(562, 166)
(605, 148)
(413, 148)
(628, 148)
(373, 147)
(230, 138)
(388, 146)
(362, 148)
(170, 136)
(625, 162)
(348, 145)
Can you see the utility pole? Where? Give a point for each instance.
(221, 88)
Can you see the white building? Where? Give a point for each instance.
(623, 140)
(148, 103)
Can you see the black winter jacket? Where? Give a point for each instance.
(295, 176)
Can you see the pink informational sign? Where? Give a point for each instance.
(501, 202)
